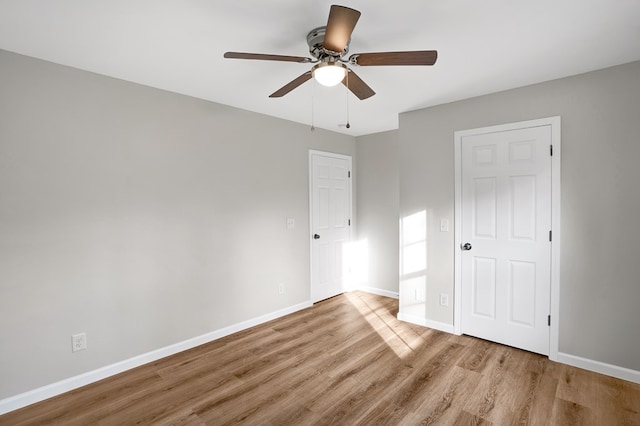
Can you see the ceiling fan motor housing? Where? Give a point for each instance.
(315, 40)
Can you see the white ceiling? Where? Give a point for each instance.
(177, 45)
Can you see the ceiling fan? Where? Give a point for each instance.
(329, 45)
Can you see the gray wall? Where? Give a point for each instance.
(377, 200)
(140, 217)
(600, 272)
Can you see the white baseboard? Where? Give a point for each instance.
(600, 367)
(378, 291)
(436, 325)
(57, 388)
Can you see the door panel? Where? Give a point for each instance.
(523, 208)
(522, 290)
(506, 217)
(484, 208)
(484, 287)
(323, 218)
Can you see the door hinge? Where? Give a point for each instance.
(551, 150)
(550, 235)
(349, 173)
(549, 320)
(349, 222)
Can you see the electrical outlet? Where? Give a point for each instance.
(444, 299)
(291, 223)
(281, 288)
(78, 342)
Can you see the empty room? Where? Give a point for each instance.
(297, 213)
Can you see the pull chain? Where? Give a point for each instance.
(348, 125)
(313, 128)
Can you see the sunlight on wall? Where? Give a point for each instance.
(414, 243)
(413, 264)
(355, 264)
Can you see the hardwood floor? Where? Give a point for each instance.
(347, 361)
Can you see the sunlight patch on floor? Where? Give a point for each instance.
(402, 340)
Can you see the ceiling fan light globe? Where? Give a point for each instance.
(329, 74)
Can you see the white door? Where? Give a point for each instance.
(505, 236)
(330, 188)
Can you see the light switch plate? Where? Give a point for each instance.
(444, 225)
(291, 223)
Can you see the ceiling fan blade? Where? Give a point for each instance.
(291, 85)
(342, 21)
(418, 57)
(357, 86)
(264, 57)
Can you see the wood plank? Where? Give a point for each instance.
(465, 418)
(447, 398)
(569, 413)
(495, 396)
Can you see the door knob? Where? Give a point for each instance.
(465, 246)
(316, 236)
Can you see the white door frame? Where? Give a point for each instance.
(554, 122)
(310, 177)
